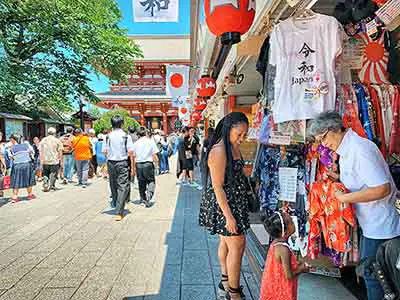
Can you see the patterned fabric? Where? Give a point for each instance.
(50, 148)
(211, 215)
(275, 285)
(375, 60)
(394, 146)
(21, 153)
(350, 116)
(268, 172)
(380, 136)
(330, 216)
(363, 109)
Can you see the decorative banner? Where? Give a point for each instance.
(177, 80)
(155, 10)
(178, 101)
(184, 113)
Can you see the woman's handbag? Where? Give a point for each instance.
(254, 203)
(5, 182)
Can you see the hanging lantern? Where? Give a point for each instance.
(200, 104)
(206, 86)
(229, 19)
(196, 116)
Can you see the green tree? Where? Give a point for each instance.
(104, 122)
(48, 48)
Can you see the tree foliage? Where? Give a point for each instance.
(104, 122)
(48, 48)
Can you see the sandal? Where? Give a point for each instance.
(235, 294)
(15, 200)
(223, 286)
(31, 197)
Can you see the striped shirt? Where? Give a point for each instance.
(21, 153)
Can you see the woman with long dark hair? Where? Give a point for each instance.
(224, 208)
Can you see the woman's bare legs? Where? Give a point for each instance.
(29, 190)
(222, 255)
(15, 194)
(236, 246)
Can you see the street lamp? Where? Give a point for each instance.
(82, 121)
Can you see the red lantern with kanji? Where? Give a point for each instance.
(229, 18)
(200, 104)
(196, 116)
(206, 86)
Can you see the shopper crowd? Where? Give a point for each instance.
(118, 156)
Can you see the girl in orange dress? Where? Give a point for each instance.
(279, 280)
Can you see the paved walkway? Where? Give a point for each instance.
(66, 245)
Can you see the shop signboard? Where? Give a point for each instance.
(155, 10)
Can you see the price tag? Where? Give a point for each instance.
(278, 139)
(309, 95)
(372, 28)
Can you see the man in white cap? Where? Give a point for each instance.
(51, 153)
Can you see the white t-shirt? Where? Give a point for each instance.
(304, 52)
(361, 166)
(117, 146)
(144, 149)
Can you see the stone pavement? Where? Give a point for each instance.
(66, 245)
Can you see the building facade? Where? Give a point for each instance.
(164, 38)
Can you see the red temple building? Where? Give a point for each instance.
(144, 94)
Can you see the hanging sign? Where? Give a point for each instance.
(155, 10)
(177, 80)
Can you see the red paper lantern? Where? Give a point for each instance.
(200, 104)
(229, 16)
(183, 110)
(196, 116)
(206, 86)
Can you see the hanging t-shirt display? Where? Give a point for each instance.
(304, 53)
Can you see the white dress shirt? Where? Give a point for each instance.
(144, 149)
(117, 145)
(362, 166)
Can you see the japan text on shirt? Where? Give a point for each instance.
(303, 53)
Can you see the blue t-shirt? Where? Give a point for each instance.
(101, 158)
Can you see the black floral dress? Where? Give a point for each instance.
(211, 215)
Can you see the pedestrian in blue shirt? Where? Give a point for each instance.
(100, 157)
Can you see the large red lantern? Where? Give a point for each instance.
(206, 86)
(229, 18)
(200, 104)
(196, 116)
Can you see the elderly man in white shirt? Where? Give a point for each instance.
(119, 149)
(145, 156)
(366, 175)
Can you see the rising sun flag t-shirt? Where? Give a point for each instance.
(304, 53)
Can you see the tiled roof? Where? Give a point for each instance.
(133, 93)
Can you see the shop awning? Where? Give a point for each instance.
(53, 121)
(14, 116)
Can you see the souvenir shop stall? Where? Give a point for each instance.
(347, 62)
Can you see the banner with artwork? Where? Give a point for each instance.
(178, 101)
(184, 113)
(155, 10)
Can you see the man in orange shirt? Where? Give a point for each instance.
(83, 154)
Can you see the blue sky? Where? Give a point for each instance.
(101, 83)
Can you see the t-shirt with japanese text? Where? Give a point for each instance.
(304, 52)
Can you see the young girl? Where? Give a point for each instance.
(281, 269)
